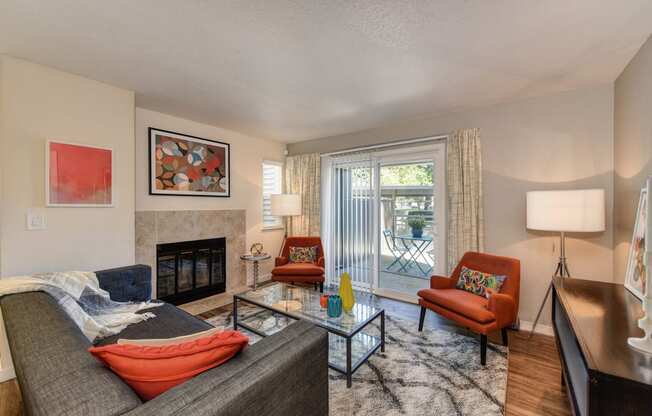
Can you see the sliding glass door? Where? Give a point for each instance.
(384, 218)
(407, 252)
(351, 231)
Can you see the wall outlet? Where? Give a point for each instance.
(35, 220)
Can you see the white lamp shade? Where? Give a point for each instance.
(285, 205)
(581, 210)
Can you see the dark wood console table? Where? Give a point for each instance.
(603, 375)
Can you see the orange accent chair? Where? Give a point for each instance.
(300, 272)
(475, 312)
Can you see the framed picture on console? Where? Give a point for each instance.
(635, 275)
(185, 165)
(78, 175)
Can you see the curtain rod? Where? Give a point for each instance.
(424, 139)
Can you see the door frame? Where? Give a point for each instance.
(407, 155)
(403, 152)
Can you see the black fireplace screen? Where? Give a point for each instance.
(190, 270)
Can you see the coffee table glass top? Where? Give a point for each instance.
(303, 303)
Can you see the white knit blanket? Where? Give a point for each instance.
(80, 295)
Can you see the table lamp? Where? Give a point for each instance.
(285, 205)
(576, 211)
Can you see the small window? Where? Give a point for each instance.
(272, 184)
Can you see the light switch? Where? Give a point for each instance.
(35, 219)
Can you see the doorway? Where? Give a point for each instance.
(384, 218)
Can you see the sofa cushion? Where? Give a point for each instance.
(460, 301)
(127, 284)
(57, 375)
(152, 370)
(169, 322)
(158, 342)
(298, 269)
(258, 380)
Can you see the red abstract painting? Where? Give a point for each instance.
(79, 175)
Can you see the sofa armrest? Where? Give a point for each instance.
(280, 261)
(441, 282)
(283, 374)
(503, 307)
(127, 284)
(320, 262)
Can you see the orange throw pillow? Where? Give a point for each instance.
(152, 370)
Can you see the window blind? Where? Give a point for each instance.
(272, 184)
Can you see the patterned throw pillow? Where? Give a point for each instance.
(478, 282)
(303, 254)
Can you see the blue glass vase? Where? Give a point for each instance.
(334, 306)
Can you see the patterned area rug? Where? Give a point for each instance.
(435, 372)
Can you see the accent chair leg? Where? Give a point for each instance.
(321, 287)
(505, 337)
(483, 349)
(292, 283)
(315, 285)
(422, 318)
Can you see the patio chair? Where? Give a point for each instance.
(397, 251)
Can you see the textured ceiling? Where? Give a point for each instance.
(296, 70)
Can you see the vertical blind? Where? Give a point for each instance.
(272, 184)
(352, 213)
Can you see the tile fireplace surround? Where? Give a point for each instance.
(159, 227)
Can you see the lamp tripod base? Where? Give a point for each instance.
(560, 271)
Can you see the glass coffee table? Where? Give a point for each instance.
(350, 339)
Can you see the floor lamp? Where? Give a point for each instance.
(573, 211)
(285, 205)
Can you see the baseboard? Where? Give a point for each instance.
(526, 326)
(262, 278)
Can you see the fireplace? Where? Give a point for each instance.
(190, 270)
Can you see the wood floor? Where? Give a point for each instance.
(533, 380)
(10, 402)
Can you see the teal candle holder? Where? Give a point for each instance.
(334, 306)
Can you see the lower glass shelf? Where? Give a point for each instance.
(362, 345)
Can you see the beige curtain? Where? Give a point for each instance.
(303, 177)
(464, 188)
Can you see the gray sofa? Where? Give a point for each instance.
(284, 374)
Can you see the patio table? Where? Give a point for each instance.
(415, 249)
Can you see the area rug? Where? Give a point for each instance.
(434, 372)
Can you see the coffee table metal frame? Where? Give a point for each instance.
(350, 366)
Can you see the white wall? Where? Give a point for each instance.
(247, 155)
(39, 103)
(562, 141)
(632, 148)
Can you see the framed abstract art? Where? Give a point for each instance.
(635, 275)
(78, 175)
(186, 165)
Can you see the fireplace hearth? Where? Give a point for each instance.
(190, 270)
